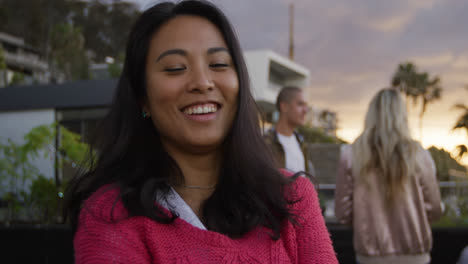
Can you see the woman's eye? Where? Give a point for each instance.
(175, 69)
(219, 65)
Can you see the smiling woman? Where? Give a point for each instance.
(183, 174)
(192, 86)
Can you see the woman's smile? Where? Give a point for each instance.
(201, 112)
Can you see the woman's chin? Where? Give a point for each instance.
(202, 149)
(202, 145)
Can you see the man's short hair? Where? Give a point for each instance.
(286, 94)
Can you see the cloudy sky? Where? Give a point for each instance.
(352, 48)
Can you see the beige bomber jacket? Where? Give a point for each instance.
(403, 230)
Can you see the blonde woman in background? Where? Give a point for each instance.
(387, 188)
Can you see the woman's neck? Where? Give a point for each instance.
(198, 170)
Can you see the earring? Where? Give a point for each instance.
(145, 115)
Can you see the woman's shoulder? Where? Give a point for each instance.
(300, 186)
(425, 161)
(305, 206)
(105, 204)
(421, 155)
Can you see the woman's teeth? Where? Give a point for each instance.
(201, 109)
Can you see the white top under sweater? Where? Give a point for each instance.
(177, 204)
(293, 153)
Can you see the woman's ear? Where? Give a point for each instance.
(144, 108)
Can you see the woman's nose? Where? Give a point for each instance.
(200, 80)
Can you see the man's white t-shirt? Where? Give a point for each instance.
(293, 153)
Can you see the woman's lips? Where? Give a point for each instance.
(201, 112)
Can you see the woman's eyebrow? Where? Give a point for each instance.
(184, 53)
(171, 52)
(217, 49)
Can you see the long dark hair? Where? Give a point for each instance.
(250, 187)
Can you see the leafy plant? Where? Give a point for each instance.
(18, 78)
(45, 199)
(17, 169)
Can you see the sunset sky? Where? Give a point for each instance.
(352, 48)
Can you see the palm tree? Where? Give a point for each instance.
(462, 123)
(417, 85)
(405, 79)
(462, 150)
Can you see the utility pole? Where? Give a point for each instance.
(291, 31)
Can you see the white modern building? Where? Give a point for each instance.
(269, 72)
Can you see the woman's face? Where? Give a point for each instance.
(191, 84)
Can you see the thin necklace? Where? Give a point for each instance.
(195, 187)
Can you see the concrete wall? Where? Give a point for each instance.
(15, 124)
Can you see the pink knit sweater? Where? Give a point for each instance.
(142, 240)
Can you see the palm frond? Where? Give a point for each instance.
(462, 150)
(461, 106)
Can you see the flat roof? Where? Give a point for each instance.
(78, 94)
(281, 64)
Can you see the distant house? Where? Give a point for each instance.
(23, 60)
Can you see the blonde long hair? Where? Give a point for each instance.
(385, 146)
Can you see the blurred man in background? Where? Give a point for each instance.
(288, 145)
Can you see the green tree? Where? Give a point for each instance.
(405, 79)
(105, 26)
(462, 123)
(417, 86)
(68, 52)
